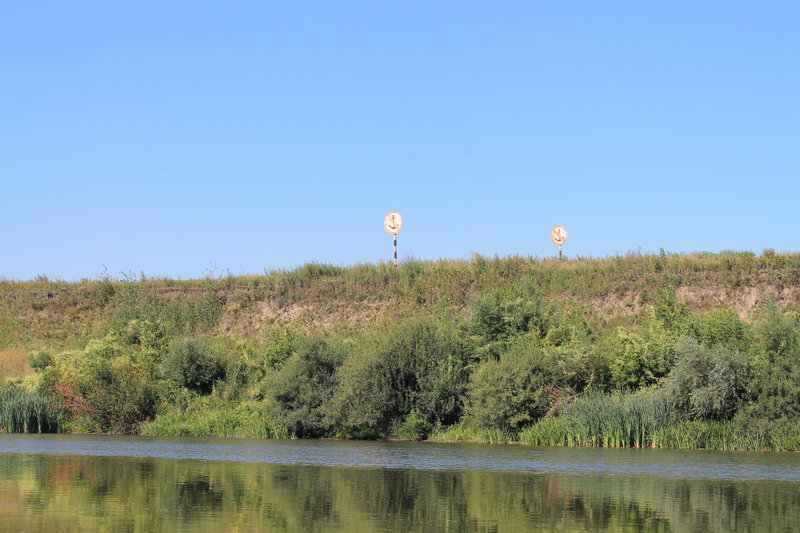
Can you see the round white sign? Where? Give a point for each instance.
(559, 235)
(393, 222)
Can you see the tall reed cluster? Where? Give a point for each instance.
(22, 411)
(606, 420)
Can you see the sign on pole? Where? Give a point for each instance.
(393, 224)
(559, 237)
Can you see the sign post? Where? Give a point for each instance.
(559, 237)
(393, 224)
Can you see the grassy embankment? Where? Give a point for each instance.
(699, 351)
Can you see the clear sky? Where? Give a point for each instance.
(183, 138)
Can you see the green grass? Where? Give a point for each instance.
(237, 422)
(52, 313)
(471, 433)
(686, 435)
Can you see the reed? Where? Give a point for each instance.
(465, 432)
(214, 423)
(546, 432)
(616, 420)
(700, 434)
(22, 411)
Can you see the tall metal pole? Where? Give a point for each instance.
(395, 249)
(560, 257)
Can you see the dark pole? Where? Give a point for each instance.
(395, 249)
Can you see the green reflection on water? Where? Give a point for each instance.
(86, 493)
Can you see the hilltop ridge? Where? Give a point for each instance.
(614, 291)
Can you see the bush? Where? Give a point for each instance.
(707, 383)
(413, 427)
(776, 369)
(245, 420)
(639, 358)
(39, 360)
(304, 385)
(120, 394)
(499, 317)
(580, 367)
(418, 365)
(514, 391)
(545, 432)
(189, 362)
(719, 328)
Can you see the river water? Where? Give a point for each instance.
(104, 483)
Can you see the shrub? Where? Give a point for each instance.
(719, 328)
(707, 383)
(304, 385)
(418, 365)
(119, 394)
(775, 386)
(148, 336)
(497, 316)
(39, 360)
(639, 358)
(246, 420)
(190, 363)
(413, 427)
(581, 366)
(514, 391)
(546, 432)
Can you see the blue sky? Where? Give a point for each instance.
(180, 138)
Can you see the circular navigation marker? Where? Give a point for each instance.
(559, 235)
(393, 222)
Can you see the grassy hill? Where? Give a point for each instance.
(614, 291)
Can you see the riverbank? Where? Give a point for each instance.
(666, 350)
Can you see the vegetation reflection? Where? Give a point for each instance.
(72, 493)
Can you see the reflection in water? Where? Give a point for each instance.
(88, 493)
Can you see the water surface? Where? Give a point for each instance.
(91, 483)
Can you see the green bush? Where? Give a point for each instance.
(413, 427)
(719, 328)
(119, 394)
(699, 434)
(707, 383)
(500, 316)
(546, 432)
(191, 363)
(418, 365)
(245, 420)
(514, 391)
(579, 367)
(147, 336)
(302, 388)
(640, 357)
(39, 360)
(775, 387)
(469, 432)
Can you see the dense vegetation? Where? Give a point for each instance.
(665, 350)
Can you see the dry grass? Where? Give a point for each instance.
(14, 364)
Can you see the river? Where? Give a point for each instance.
(107, 483)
